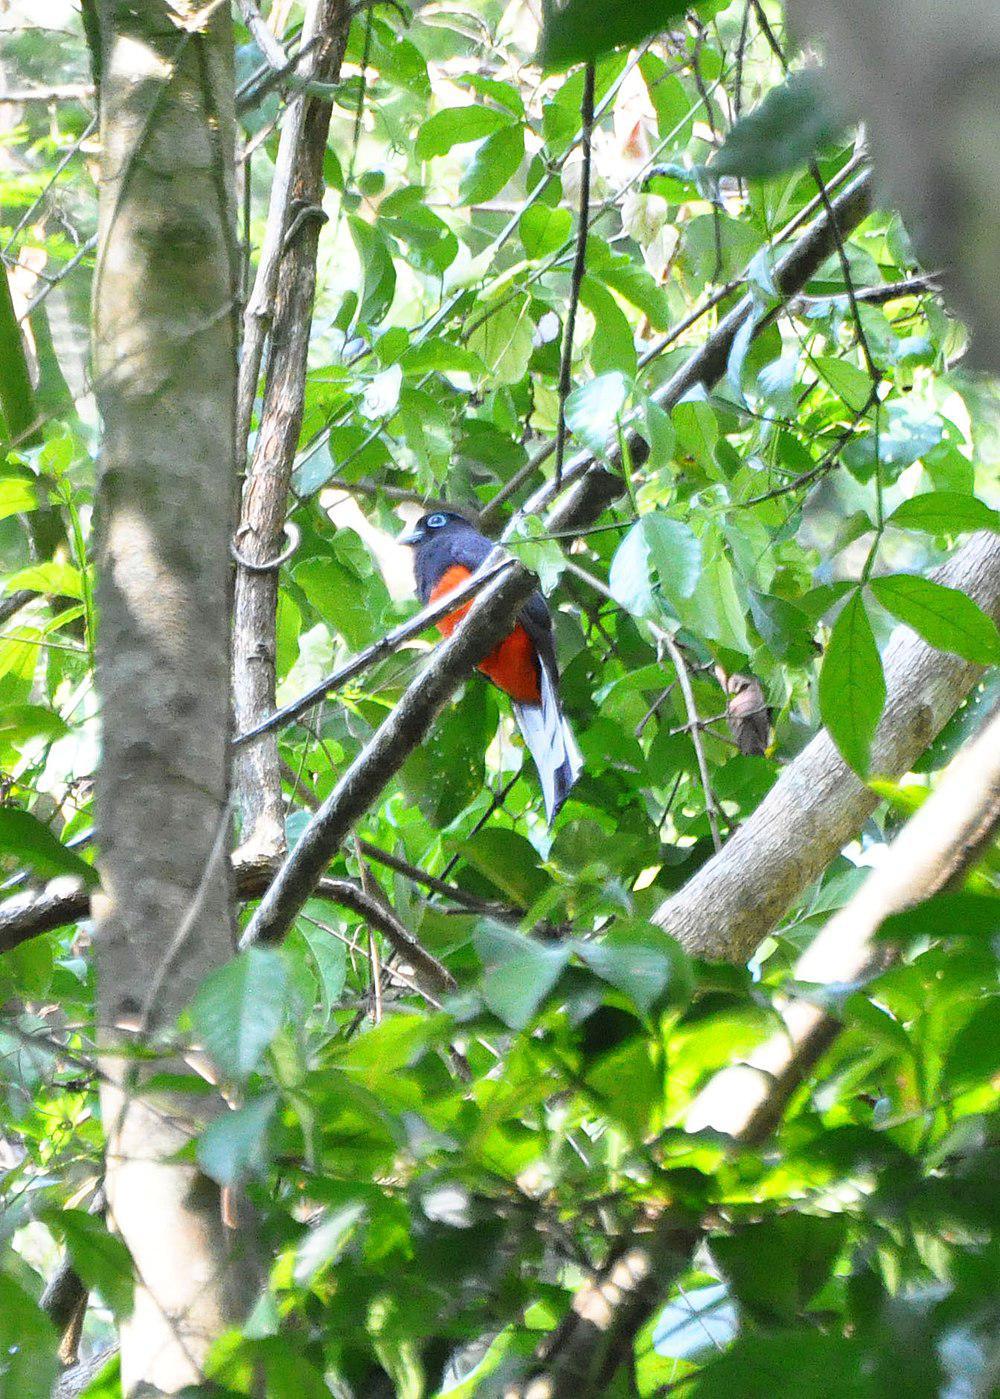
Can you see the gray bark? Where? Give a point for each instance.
(265, 495)
(818, 804)
(165, 334)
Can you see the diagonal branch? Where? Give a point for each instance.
(941, 842)
(818, 804)
(488, 620)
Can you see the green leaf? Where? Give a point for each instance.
(852, 684)
(850, 383)
(518, 973)
(593, 410)
(784, 132)
(234, 1145)
(20, 722)
(329, 956)
(612, 346)
(579, 31)
(974, 1056)
(641, 960)
(777, 1266)
(377, 270)
(455, 125)
(496, 161)
(29, 1362)
(239, 1009)
(509, 862)
(946, 618)
(18, 495)
(944, 916)
(502, 338)
(101, 1258)
(60, 579)
(544, 230)
(944, 512)
(32, 844)
(657, 549)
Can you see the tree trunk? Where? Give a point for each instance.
(165, 335)
(818, 805)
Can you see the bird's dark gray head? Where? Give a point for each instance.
(437, 522)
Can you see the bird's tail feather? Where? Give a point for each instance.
(550, 741)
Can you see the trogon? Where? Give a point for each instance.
(447, 550)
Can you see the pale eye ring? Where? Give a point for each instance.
(436, 521)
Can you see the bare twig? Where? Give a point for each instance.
(378, 651)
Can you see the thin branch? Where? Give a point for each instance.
(377, 651)
(579, 263)
(694, 724)
(940, 843)
(488, 620)
(29, 915)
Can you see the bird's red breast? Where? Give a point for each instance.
(512, 665)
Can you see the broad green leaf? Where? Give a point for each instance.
(544, 230)
(495, 162)
(32, 844)
(642, 960)
(20, 722)
(785, 131)
(946, 618)
(944, 512)
(329, 955)
(852, 684)
(850, 383)
(593, 410)
(612, 346)
(101, 1258)
(234, 1145)
(518, 972)
(29, 1361)
(455, 125)
(239, 1009)
(509, 862)
(53, 578)
(657, 551)
(377, 270)
(974, 1056)
(579, 31)
(18, 495)
(502, 338)
(959, 914)
(778, 1265)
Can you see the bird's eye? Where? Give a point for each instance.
(436, 521)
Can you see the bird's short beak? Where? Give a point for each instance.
(411, 537)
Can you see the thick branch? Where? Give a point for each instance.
(29, 915)
(818, 804)
(488, 620)
(941, 842)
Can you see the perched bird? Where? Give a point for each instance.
(747, 711)
(447, 549)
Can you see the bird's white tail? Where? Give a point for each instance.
(550, 741)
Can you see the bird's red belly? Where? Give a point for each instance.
(512, 665)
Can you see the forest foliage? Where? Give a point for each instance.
(437, 1174)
